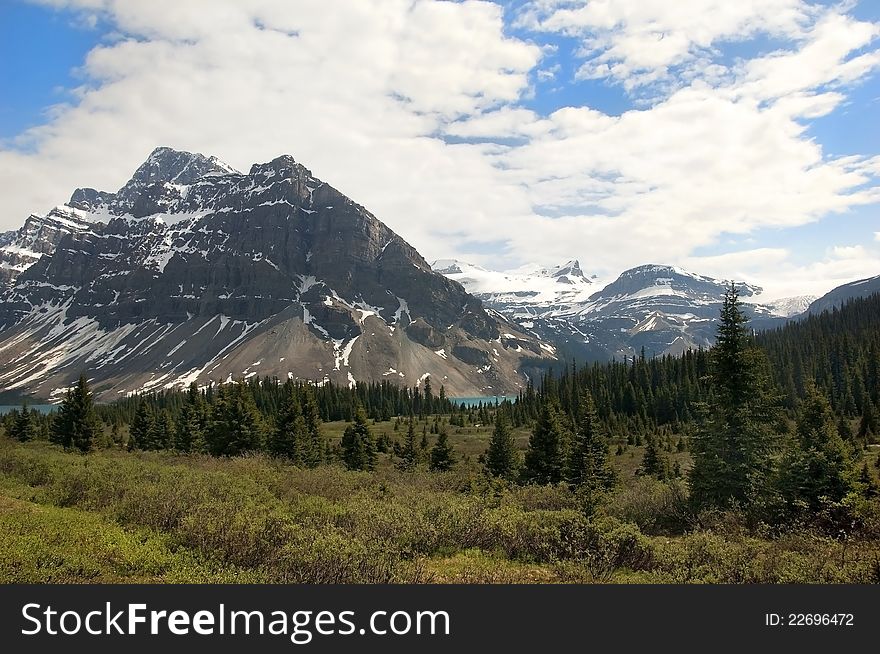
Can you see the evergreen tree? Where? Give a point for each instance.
(141, 427)
(736, 437)
(24, 425)
(161, 435)
(653, 463)
(290, 440)
(501, 455)
(544, 460)
(588, 464)
(189, 433)
(442, 456)
(236, 423)
(817, 467)
(312, 423)
(409, 453)
(77, 425)
(358, 446)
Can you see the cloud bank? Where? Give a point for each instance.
(420, 110)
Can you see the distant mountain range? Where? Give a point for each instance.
(193, 271)
(663, 309)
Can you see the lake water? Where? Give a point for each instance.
(42, 408)
(489, 399)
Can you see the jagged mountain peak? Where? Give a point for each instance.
(283, 164)
(176, 167)
(196, 273)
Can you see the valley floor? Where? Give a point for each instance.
(115, 517)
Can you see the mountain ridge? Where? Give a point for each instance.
(273, 272)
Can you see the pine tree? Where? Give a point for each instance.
(409, 453)
(312, 422)
(290, 440)
(77, 424)
(501, 455)
(588, 464)
(544, 460)
(141, 427)
(817, 467)
(737, 432)
(867, 482)
(189, 432)
(24, 425)
(236, 424)
(867, 424)
(358, 446)
(161, 436)
(653, 463)
(442, 454)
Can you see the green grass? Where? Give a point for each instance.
(45, 544)
(113, 516)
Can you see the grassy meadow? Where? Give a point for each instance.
(113, 516)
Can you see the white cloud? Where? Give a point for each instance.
(354, 92)
(780, 276)
(637, 42)
(360, 93)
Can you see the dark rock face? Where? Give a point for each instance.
(188, 240)
(38, 236)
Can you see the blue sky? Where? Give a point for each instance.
(617, 133)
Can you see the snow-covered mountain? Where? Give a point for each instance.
(663, 309)
(193, 271)
(789, 307)
(524, 292)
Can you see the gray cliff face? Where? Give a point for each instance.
(265, 261)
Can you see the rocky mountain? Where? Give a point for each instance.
(663, 309)
(838, 296)
(37, 237)
(193, 271)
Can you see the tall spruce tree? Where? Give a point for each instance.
(290, 439)
(161, 435)
(817, 467)
(189, 433)
(501, 459)
(76, 424)
(736, 437)
(141, 427)
(312, 421)
(358, 446)
(24, 425)
(588, 466)
(236, 423)
(544, 460)
(409, 455)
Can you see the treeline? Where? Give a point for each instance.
(750, 452)
(838, 352)
(281, 420)
(380, 401)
